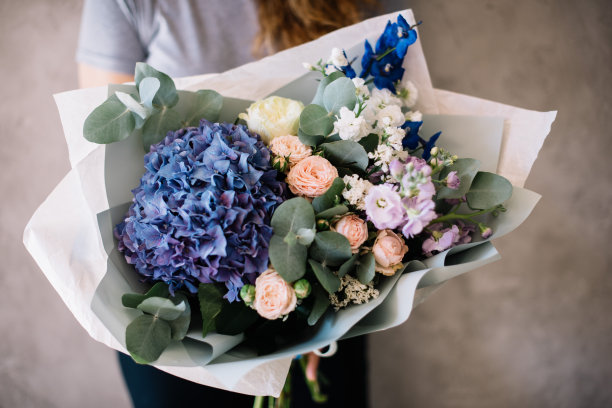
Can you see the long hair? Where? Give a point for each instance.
(287, 23)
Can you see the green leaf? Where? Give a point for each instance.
(147, 89)
(292, 215)
(309, 140)
(132, 104)
(158, 125)
(166, 95)
(330, 248)
(162, 308)
(288, 260)
(365, 269)
(235, 318)
(334, 211)
(348, 266)
(320, 305)
(146, 338)
(318, 98)
(180, 325)
(160, 289)
(466, 170)
(328, 199)
(346, 153)
(211, 302)
(340, 93)
(314, 120)
(206, 104)
(488, 190)
(326, 277)
(109, 122)
(370, 142)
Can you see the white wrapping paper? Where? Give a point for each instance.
(63, 235)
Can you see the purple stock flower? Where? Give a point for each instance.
(441, 239)
(384, 207)
(452, 181)
(202, 210)
(418, 214)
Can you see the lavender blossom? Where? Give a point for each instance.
(419, 213)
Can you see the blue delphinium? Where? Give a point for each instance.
(203, 208)
(384, 62)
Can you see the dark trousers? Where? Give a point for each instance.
(345, 383)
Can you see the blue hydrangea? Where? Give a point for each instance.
(203, 208)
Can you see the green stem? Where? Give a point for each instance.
(313, 386)
(271, 402)
(384, 54)
(468, 217)
(258, 403)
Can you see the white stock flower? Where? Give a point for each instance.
(408, 93)
(384, 97)
(337, 58)
(330, 69)
(390, 116)
(395, 135)
(350, 127)
(414, 116)
(356, 190)
(361, 87)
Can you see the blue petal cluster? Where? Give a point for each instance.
(203, 208)
(385, 62)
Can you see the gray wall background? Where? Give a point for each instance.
(532, 330)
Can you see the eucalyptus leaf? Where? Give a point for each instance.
(146, 338)
(166, 95)
(162, 308)
(206, 104)
(330, 248)
(328, 199)
(366, 268)
(326, 277)
(488, 190)
(211, 302)
(235, 318)
(158, 125)
(147, 89)
(132, 104)
(346, 153)
(340, 93)
(160, 289)
(180, 325)
(305, 236)
(320, 305)
(370, 142)
(318, 98)
(309, 140)
(110, 122)
(348, 266)
(334, 211)
(288, 260)
(292, 215)
(314, 120)
(466, 171)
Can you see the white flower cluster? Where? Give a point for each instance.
(355, 190)
(352, 291)
(336, 61)
(389, 148)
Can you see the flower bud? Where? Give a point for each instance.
(308, 66)
(322, 225)
(302, 288)
(434, 151)
(247, 293)
(280, 163)
(485, 231)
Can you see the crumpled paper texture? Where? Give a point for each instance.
(64, 239)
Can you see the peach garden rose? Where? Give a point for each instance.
(389, 250)
(311, 177)
(354, 229)
(291, 147)
(274, 297)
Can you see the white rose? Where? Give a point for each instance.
(274, 116)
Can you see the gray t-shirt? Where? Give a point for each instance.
(178, 37)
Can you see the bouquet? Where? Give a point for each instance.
(261, 230)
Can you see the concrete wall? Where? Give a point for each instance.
(532, 330)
